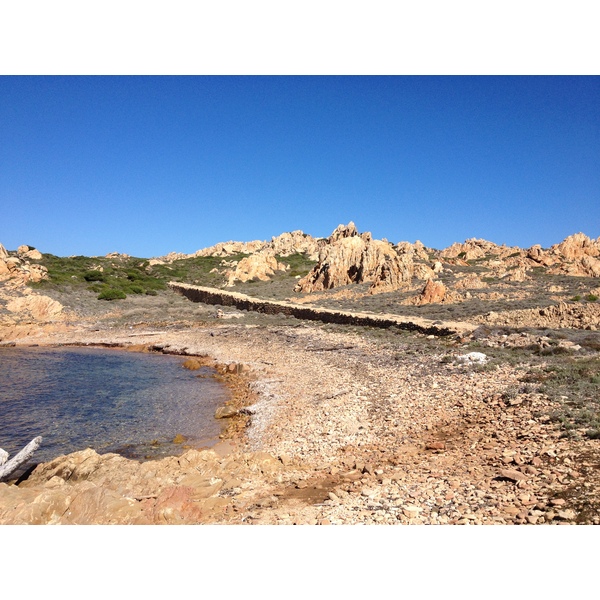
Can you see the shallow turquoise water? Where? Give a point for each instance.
(110, 400)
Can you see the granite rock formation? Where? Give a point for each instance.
(349, 257)
(261, 265)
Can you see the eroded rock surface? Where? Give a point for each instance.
(349, 257)
(261, 265)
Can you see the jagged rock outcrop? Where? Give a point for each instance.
(473, 249)
(261, 265)
(538, 256)
(424, 272)
(349, 257)
(417, 249)
(296, 242)
(575, 255)
(229, 248)
(16, 266)
(576, 246)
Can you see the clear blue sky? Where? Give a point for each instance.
(149, 165)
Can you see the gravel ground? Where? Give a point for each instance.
(377, 427)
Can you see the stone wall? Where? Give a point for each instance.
(214, 296)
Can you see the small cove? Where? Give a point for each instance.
(110, 400)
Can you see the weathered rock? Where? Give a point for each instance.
(470, 282)
(225, 412)
(40, 308)
(296, 242)
(422, 271)
(512, 474)
(261, 265)
(32, 254)
(576, 315)
(88, 488)
(433, 292)
(576, 246)
(472, 358)
(349, 257)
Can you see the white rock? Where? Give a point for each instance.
(472, 358)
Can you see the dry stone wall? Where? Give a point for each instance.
(214, 296)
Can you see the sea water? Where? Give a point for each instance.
(134, 404)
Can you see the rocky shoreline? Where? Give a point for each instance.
(330, 426)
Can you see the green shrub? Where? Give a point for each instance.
(112, 294)
(591, 298)
(576, 298)
(93, 276)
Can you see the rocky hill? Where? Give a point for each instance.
(349, 270)
(344, 420)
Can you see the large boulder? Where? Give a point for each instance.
(434, 292)
(261, 265)
(349, 257)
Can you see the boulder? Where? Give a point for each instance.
(261, 265)
(33, 254)
(349, 257)
(433, 293)
(88, 488)
(472, 358)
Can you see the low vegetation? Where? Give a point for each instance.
(118, 277)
